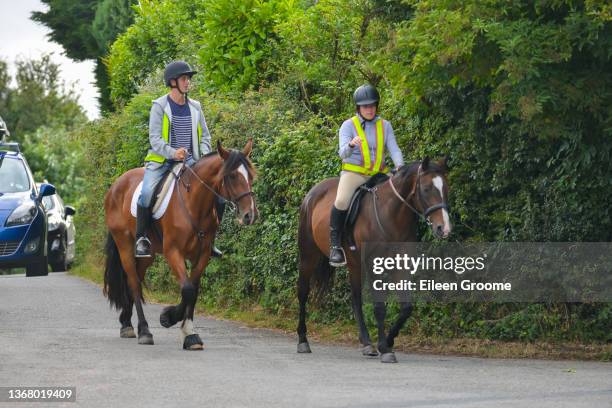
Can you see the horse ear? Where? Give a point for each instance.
(444, 164)
(222, 152)
(425, 163)
(248, 147)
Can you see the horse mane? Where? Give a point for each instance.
(410, 169)
(234, 160)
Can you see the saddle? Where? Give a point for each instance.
(355, 206)
(162, 193)
(165, 186)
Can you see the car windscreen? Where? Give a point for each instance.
(13, 176)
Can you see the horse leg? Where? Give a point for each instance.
(190, 339)
(171, 315)
(129, 264)
(303, 289)
(386, 353)
(404, 314)
(356, 296)
(125, 318)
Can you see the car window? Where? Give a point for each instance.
(48, 203)
(13, 176)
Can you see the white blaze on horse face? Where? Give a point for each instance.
(438, 182)
(186, 329)
(242, 170)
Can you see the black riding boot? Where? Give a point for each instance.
(220, 208)
(336, 226)
(143, 245)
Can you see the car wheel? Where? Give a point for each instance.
(37, 269)
(62, 264)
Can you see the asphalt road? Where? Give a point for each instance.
(59, 331)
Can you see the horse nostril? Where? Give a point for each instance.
(439, 230)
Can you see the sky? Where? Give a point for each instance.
(21, 37)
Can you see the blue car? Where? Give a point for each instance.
(23, 221)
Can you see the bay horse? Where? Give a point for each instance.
(185, 232)
(387, 214)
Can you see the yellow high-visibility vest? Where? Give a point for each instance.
(368, 168)
(166, 135)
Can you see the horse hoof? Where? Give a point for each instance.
(146, 339)
(127, 333)
(193, 342)
(388, 358)
(369, 351)
(165, 318)
(304, 348)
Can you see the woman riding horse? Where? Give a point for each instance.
(177, 131)
(389, 213)
(362, 141)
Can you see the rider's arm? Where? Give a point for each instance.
(205, 142)
(345, 135)
(158, 144)
(392, 147)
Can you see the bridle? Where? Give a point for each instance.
(233, 202)
(417, 190)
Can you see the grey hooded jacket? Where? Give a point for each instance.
(159, 145)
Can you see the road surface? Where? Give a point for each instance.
(59, 331)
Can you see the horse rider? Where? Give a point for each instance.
(362, 141)
(177, 131)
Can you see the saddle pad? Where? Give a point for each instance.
(160, 206)
(355, 205)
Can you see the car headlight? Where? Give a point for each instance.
(24, 214)
(53, 223)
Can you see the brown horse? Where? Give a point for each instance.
(388, 214)
(184, 232)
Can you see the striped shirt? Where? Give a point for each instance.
(180, 135)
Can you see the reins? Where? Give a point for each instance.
(233, 202)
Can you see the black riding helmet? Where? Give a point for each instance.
(366, 95)
(175, 69)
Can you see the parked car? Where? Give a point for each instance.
(60, 233)
(23, 221)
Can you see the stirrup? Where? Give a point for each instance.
(336, 264)
(144, 252)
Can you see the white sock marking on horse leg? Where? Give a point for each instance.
(186, 329)
(245, 174)
(439, 183)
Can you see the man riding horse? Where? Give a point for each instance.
(177, 131)
(371, 134)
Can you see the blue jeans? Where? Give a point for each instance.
(154, 173)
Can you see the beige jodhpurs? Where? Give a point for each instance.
(349, 182)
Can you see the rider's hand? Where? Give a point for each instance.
(180, 153)
(355, 142)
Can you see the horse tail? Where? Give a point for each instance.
(322, 278)
(116, 287)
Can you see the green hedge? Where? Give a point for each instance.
(517, 94)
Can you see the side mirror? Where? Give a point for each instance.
(69, 210)
(45, 190)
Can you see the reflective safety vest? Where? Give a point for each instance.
(368, 167)
(166, 135)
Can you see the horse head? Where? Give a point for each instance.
(237, 178)
(428, 186)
